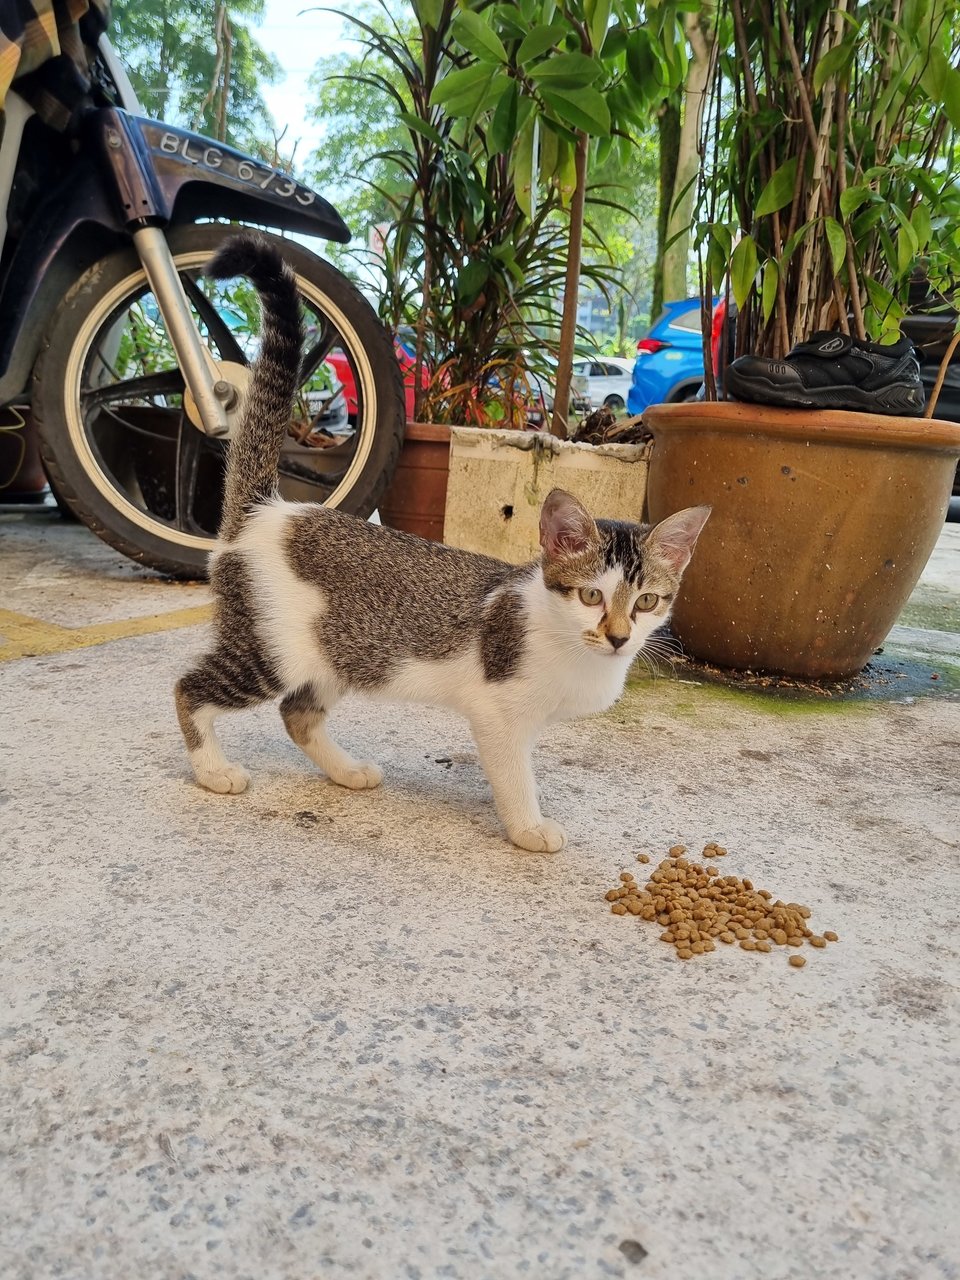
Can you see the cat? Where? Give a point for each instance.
(312, 604)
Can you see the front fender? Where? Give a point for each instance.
(160, 175)
(165, 174)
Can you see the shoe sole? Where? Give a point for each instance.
(903, 399)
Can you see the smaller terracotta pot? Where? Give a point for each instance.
(417, 495)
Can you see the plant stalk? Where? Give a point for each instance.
(559, 425)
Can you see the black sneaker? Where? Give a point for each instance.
(833, 371)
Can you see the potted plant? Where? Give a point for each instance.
(826, 186)
(500, 104)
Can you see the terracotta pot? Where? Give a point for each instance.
(417, 495)
(822, 524)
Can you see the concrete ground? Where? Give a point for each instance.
(306, 1032)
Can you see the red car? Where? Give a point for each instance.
(341, 367)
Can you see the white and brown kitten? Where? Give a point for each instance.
(312, 604)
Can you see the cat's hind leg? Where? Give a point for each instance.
(220, 683)
(304, 712)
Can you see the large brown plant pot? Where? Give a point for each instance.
(417, 496)
(822, 524)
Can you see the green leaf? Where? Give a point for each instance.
(584, 110)
(422, 127)
(718, 256)
(524, 177)
(743, 270)
(771, 277)
(471, 280)
(566, 170)
(461, 91)
(509, 21)
(942, 83)
(567, 70)
(837, 240)
(791, 246)
(503, 127)
(833, 63)
(642, 63)
(549, 151)
(430, 12)
(779, 190)
(922, 225)
(852, 199)
(616, 41)
(538, 40)
(951, 96)
(475, 34)
(598, 19)
(907, 242)
(883, 300)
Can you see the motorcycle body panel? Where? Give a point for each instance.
(131, 172)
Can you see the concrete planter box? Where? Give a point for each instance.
(498, 480)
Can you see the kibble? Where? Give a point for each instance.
(694, 905)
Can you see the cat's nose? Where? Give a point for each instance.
(617, 641)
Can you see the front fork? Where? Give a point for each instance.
(211, 394)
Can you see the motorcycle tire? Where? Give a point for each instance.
(123, 518)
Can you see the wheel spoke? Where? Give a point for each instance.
(314, 358)
(167, 383)
(221, 333)
(190, 447)
(308, 475)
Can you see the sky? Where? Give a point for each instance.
(297, 35)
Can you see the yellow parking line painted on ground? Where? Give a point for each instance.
(24, 637)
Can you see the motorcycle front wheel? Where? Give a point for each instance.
(115, 432)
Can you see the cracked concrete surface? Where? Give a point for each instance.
(307, 1032)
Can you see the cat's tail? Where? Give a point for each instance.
(254, 457)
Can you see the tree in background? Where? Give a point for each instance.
(620, 231)
(678, 130)
(196, 63)
(350, 166)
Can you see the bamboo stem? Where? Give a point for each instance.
(941, 374)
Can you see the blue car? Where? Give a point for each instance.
(669, 363)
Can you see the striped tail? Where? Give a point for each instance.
(254, 457)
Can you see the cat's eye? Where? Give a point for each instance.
(591, 595)
(646, 602)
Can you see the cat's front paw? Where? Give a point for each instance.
(360, 777)
(227, 780)
(545, 837)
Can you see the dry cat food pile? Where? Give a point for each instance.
(699, 906)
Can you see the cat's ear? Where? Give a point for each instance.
(566, 528)
(675, 537)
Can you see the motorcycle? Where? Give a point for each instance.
(134, 365)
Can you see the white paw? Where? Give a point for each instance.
(546, 837)
(228, 780)
(361, 777)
